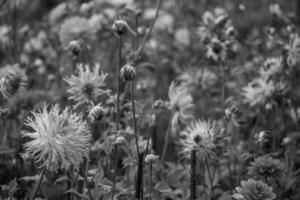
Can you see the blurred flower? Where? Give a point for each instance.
(11, 78)
(96, 113)
(293, 59)
(204, 136)
(164, 21)
(4, 35)
(266, 167)
(193, 78)
(254, 190)
(60, 138)
(216, 50)
(76, 28)
(181, 104)
(273, 67)
(182, 36)
(88, 85)
(150, 158)
(263, 138)
(58, 12)
(75, 47)
(260, 91)
(275, 10)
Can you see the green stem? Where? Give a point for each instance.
(37, 185)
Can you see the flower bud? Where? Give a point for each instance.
(120, 27)
(96, 113)
(158, 104)
(150, 158)
(75, 47)
(128, 72)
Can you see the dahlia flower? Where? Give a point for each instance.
(59, 138)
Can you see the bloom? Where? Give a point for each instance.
(293, 59)
(181, 104)
(254, 190)
(266, 167)
(88, 85)
(11, 78)
(261, 91)
(76, 28)
(60, 138)
(204, 136)
(272, 68)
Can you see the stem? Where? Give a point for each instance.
(134, 119)
(86, 181)
(150, 181)
(166, 142)
(193, 175)
(139, 178)
(37, 185)
(118, 114)
(151, 27)
(209, 177)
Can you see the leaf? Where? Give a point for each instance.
(163, 187)
(61, 179)
(73, 191)
(12, 187)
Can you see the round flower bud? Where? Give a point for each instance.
(96, 113)
(75, 47)
(150, 158)
(121, 140)
(128, 72)
(120, 27)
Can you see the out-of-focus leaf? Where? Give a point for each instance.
(61, 179)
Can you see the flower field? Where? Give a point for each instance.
(149, 100)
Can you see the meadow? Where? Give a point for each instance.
(149, 100)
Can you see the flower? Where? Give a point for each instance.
(75, 28)
(266, 167)
(150, 158)
(261, 91)
(60, 138)
(88, 85)
(181, 104)
(293, 58)
(204, 136)
(216, 50)
(272, 68)
(193, 78)
(254, 190)
(11, 78)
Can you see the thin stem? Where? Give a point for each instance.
(118, 114)
(37, 185)
(193, 175)
(209, 177)
(147, 36)
(134, 119)
(139, 178)
(119, 80)
(150, 181)
(166, 142)
(86, 180)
